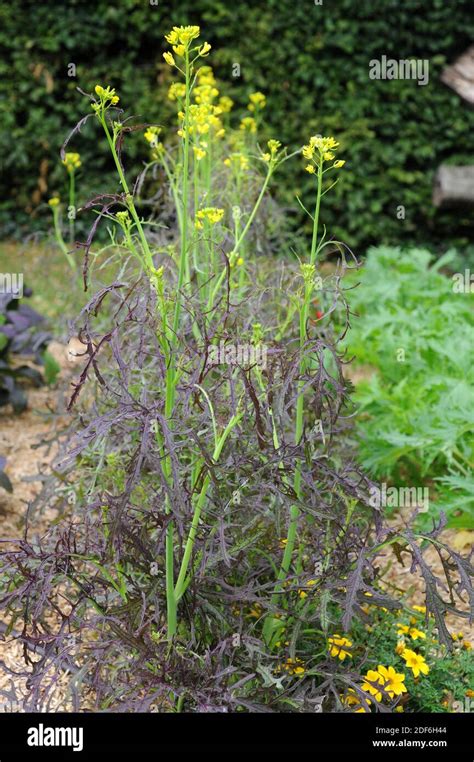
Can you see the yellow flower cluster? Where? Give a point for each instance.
(180, 38)
(413, 632)
(177, 91)
(107, 97)
(53, 202)
(320, 150)
(257, 101)
(203, 119)
(388, 679)
(274, 146)
(72, 161)
(338, 647)
(210, 214)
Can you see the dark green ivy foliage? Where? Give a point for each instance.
(311, 60)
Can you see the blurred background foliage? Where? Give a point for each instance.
(312, 61)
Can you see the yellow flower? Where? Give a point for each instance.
(249, 124)
(151, 134)
(415, 662)
(400, 647)
(402, 629)
(205, 49)
(176, 90)
(266, 156)
(179, 50)
(338, 164)
(199, 153)
(310, 168)
(225, 104)
(210, 214)
(328, 156)
(338, 647)
(182, 35)
(373, 679)
(72, 161)
(205, 76)
(274, 146)
(352, 699)
(467, 645)
(169, 59)
(106, 95)
(398, 708)
(415, 633)
(240, 261)
(257, 101)
(393, 682)
(421, 609)
(53, 201)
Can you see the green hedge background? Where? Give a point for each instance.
(311, 60)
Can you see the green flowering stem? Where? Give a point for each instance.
(183, 580)
(129, 198)
(270, 625)
(60, 240)
(183, 265)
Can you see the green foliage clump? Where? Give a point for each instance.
(417, 335)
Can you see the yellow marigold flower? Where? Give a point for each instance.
(257, 101)
(310, 168)
(54, 201)
(210, 214)
(393, 682)
(372, 683)
(169, 58)
(199, 153)
(72, 161)
(402, 629)
(338, 647)
(176, 90)
(415, 633)
(248, 124)
(415, 662)
(338, 164)
(225, 104)
(352, 699)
